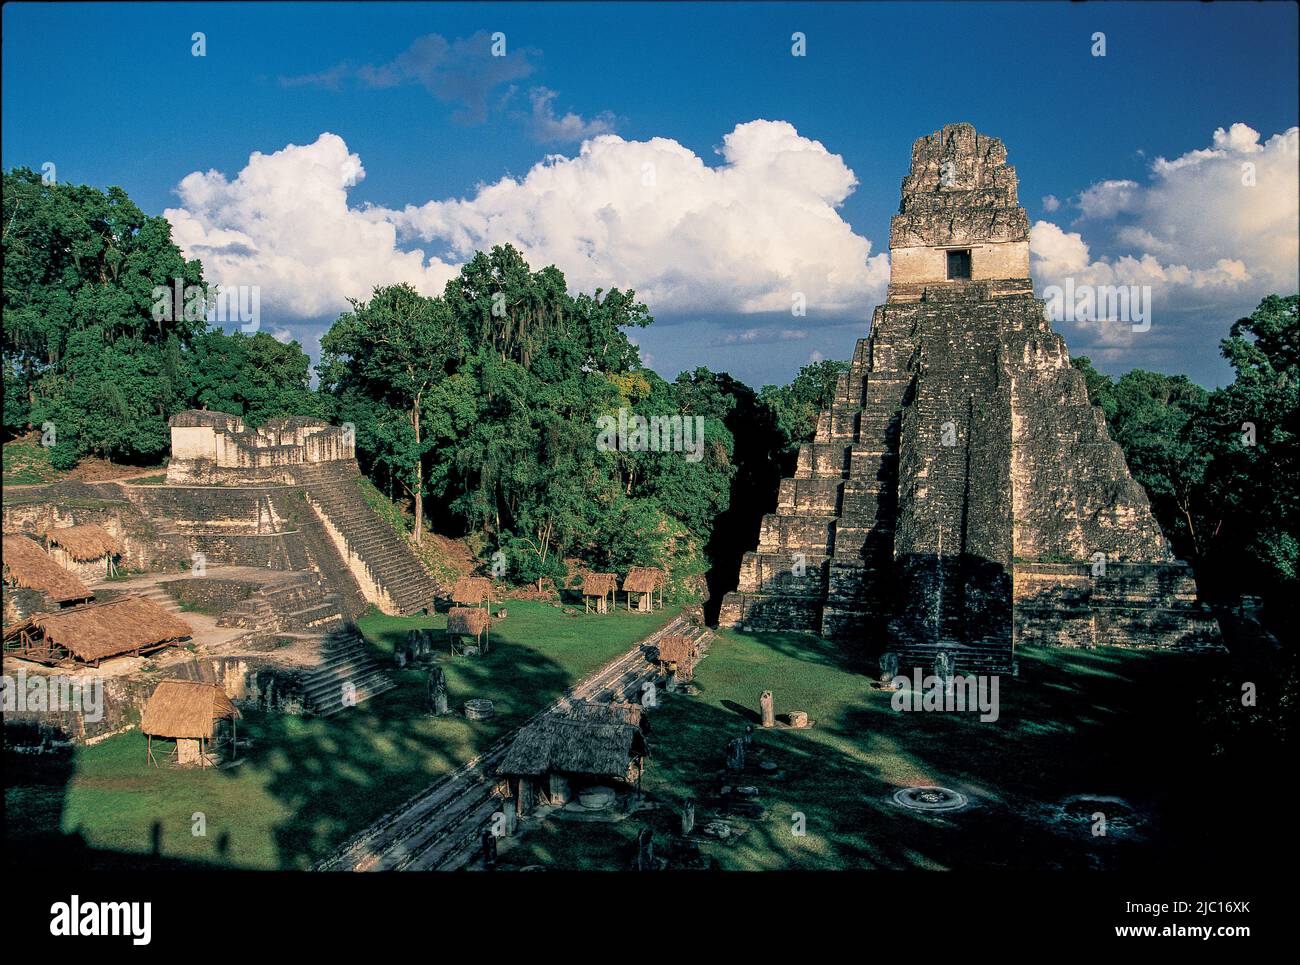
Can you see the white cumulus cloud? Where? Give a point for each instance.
(284, 224)
(1212, 231)
(745, 236)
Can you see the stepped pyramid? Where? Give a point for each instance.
(962, 494)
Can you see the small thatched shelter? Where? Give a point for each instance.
(613, 713)
(472, 591)
(679, 654)
(563, 752)
(190, 713)
(464, 622)
(28, 566)
(598, 591)
(642, 582)
(87, 549)
(91, 633)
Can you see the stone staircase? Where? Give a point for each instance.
(160, 596)
(397, 580)
(346, 675)
(303, 603)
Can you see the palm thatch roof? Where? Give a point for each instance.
(83, 543)
(599, 584)
(677, 649)
(613, 713)
(471, 590)
(467, 621)
(186, 709)
(643, 579)
(31, 568)
(98, 630)
(561, 743)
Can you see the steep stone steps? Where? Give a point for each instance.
(347, 670)
(388, 559)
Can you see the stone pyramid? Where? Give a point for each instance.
(962, 495)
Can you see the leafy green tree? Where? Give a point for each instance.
(795, 407)
(82, 340)
(393, 349)
(1253, 480)
(254, 376)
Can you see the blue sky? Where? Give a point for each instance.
(112, 95)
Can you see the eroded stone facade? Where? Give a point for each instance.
(962, 493)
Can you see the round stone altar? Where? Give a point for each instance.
(929, 799)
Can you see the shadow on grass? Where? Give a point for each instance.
(1101, 724)
(305, 784)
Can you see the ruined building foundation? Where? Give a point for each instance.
(962, 494)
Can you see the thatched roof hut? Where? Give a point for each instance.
(186, 708)
(579, 747)
(679, 653)
(28, 566)
(677, 649)
(612, 713)
(599, 584)
(84, 543)
(468, 622)
(90, 633)
(187, 711)
(643, 579)
(471, 591)
(602, 586)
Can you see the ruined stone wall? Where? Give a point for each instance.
(146, 543)
(251, 682)
(214, 448)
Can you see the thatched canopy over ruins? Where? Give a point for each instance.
(466, 621)
(599, 584)
(186, 709)
(95, 631)
(595, 713)
(84, 543)
(30, 567)
(568, 745)
(677, 649)
(643, 579)
(471, 591)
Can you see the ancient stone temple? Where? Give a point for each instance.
(962, 494)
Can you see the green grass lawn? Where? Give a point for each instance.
(1106, 722)
(306, 784)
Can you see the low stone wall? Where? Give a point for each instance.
(143, 543)
(209, 595)
(255, 683)
(1139, 605)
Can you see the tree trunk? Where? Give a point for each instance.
(419, 474)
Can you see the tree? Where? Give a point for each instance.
(393, 349)
(1253, 480)
(254, 376)
(795, 407)
(82, 340)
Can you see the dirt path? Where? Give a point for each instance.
(439, 828)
